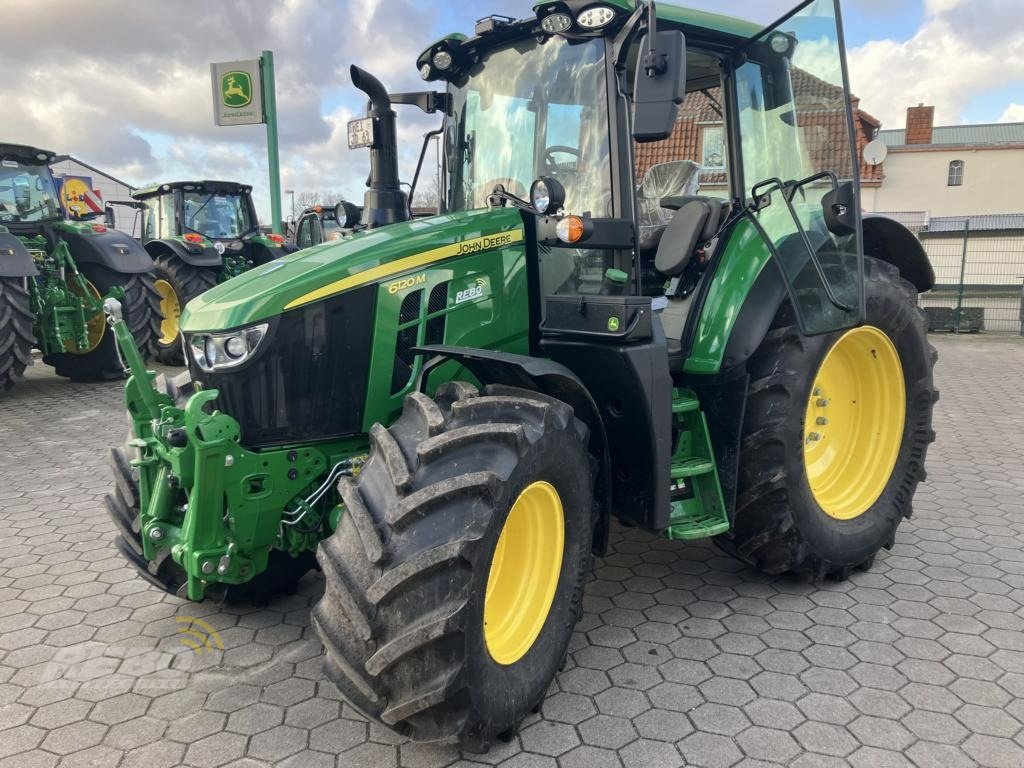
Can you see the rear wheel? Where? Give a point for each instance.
(834, 436)
(16, 338)
(177, 283)
(99, 361)
(283, 571)
(456, 573)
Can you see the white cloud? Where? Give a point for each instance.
(1013, 114)
(961, 50)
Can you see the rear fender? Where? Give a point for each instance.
(15, 260)
(888, 240)
(196, 255)
(110, 249)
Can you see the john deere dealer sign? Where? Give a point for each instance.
(237, 93)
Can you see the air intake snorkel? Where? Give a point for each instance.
(384, 202)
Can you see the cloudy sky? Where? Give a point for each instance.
(125, 85)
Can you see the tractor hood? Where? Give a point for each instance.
(332, 268)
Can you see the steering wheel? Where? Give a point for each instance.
(552, 167)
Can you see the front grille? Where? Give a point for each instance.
(308, 381)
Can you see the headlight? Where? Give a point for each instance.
(442, 60)
(547, 195)
(595, 17)
(217, 351)
(556, 23)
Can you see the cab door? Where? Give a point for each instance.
(799, 162)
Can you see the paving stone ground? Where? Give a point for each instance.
(683, 657)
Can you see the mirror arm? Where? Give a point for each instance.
(654, 63)
(419, 165)
(429, 101)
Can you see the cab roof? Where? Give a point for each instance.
(26, 155)
(214, 187)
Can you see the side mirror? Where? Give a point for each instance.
(660, 86)
(108, 217)
(839, 207)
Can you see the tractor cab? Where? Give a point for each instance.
(732, 127)
(28, 193)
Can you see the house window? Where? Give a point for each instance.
(713, 148)
(956, 173)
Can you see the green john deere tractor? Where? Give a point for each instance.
(450, 411)
(54, 274)
(199, 233)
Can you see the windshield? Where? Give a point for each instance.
(27, 193)
(217, 216)
(530, 110)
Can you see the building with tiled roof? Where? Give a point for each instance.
(951, 170)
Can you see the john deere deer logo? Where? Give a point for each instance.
(236, 89)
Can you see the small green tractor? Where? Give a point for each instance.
(449, 412)
(199, 233)
(54, 274)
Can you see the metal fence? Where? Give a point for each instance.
(979, 271)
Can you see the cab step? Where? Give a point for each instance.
(698, 506)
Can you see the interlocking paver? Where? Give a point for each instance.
(683, 656)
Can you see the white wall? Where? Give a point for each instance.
(917, 181)
(109, 189)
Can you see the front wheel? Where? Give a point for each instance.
(455, 576)
(834, 436)
(99, 360)
(177, 283)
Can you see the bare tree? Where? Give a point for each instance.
(307, 199)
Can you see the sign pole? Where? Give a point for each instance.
(270, 114)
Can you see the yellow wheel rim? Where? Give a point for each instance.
(95, 326)
(854, 423)
(170, 310)
(524, 573)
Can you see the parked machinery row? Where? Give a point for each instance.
(56, 267)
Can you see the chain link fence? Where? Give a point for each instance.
(979, 271)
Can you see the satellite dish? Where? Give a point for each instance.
(875, 152)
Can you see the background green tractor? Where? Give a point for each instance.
(199, 233)
(54, 273)
(450, 411)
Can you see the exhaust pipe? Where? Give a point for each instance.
(384, 202)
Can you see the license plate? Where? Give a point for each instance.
(360, 133)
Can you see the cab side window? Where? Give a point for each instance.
(304, 234)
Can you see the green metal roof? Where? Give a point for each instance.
(963, 135)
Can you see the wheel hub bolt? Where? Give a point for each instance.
(822, 402)
(821, 421)
(813, 437)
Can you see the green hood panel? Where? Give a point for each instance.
(325, 270)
